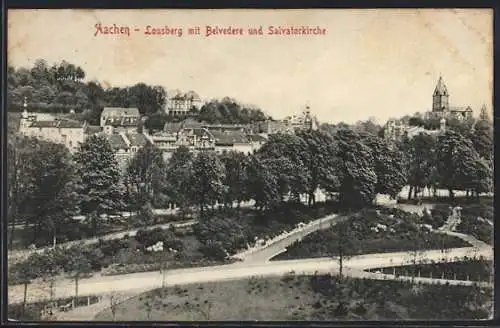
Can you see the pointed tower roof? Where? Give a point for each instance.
(440, 87)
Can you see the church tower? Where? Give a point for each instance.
(440, 97)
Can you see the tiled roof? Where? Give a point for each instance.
(116, 141)
(137, 139)
(63, 124)
(229, 138)
(120, 111)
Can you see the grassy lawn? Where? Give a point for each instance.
(304, 298)
(473, 270)
(394, 233)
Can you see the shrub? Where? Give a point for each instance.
(213, 250)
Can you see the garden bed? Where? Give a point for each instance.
(369, 232)
(471, 270)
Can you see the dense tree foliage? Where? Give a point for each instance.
(62, 87)
(228, 110)
(98, 185)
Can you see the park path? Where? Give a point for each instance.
(148, 280)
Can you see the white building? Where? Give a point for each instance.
(181, 104)
(119, 117)
(50, 128)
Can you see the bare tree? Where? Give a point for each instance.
(113, 305)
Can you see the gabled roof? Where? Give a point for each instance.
(120, 111)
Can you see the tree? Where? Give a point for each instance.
(389, 166)
(356, 169)
(147, 174)
(27, 273)
(262, 185)
(342, 233)
(286, 156)
(319, 160)
(147, 99)
(113, 305)
(235, 178)
(179, 169)
(53, 199)
(229, 111)
(456, 161)
(420, 162)
(98, 188)
(20, 152)
(79, 265)
(484, 116)
(482, 139)
(206, 181)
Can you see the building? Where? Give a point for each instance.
(69, 133)
(118, 117)
(182, 104)
(126, 145)
(441, 104)
(395, 130)
(231, 141)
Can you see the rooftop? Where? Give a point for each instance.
(120, 111)
(62, 124)
(229, 138)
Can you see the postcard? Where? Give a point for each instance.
(237, 164)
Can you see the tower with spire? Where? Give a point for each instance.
(440, 97)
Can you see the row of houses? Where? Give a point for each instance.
(119, 126)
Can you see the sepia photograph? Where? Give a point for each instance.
(250, 164)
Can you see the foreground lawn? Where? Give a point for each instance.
(368, 232)
(305, 298)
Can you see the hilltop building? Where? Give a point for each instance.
(182, 104)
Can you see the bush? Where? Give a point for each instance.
(213, 250)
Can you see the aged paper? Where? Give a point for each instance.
(317, 173)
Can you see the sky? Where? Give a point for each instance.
(378, 63)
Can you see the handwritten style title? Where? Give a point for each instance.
(208, 31)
